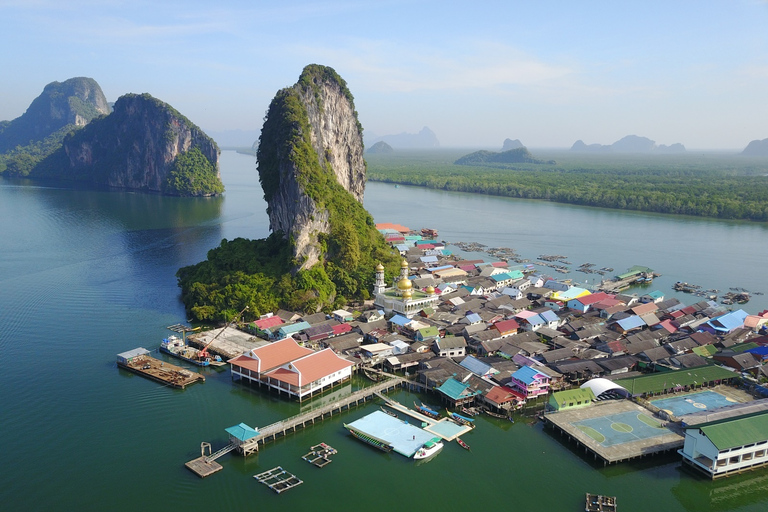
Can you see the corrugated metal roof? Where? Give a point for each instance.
(737, 432)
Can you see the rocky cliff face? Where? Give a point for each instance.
(756, 148)
(310, 156)
(135, 147)
(73, 102)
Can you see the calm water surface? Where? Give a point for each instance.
(88, 274)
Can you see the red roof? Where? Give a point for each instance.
(271, 356)
(341, 329)
(668, 326)
(593, 298)
(312, 367)
(266, 323)
(389, 225)
(500, 264)
(502, 394)
(506, 326)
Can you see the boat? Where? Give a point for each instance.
(429, 449)
(369, 439)
(426, 411)
(496, 414)
(462, 444)
(600, 503)
(372, 375)
(387, 411)
(175, 346)
(462, 420)
(470, 411)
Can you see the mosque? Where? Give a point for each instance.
(401, 298)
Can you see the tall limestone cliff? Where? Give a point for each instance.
(324, 247)
(74, 102)
(310, 158)
(144, 144)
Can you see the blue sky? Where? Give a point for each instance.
(545, 72)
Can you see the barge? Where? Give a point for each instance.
(139, 361)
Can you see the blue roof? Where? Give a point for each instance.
(535, 320)
(242, 432)
(435, 269)
(429, 259)
(400, 320)
(761, 351)
(291, 328)
(729, 321)
(475, 366)
(474, 318)
(526, 374)
(631, 322)
(549, 315)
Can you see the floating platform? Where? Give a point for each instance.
(615, 431)
(203, 467)
(599, 503)
(404, 438)
(278, 479)
(160, 371)
(320, 455)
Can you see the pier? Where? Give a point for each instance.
(206, 465)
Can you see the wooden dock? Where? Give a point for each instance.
(278, 479)
(162, 372)
(203, 467)
(282, 428)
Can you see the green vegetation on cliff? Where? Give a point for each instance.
(192, 175)
(262, 274)
(719, 186)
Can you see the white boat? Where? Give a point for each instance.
(429, 448)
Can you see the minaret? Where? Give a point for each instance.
(403, 270)
(380, 285)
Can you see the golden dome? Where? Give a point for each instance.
(379, 267)
(430, 290)
(407, 294)
(404, 284)
(404, 264)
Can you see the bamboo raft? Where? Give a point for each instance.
(278, 479)
(319, 455)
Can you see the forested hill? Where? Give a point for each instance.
(729, 187)
(512, 156)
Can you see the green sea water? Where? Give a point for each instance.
(85, 275)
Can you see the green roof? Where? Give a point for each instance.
(656, 382)
(705, 350)
(733, 433)
(637, 269)
(743, 347)
(573, 395)
(456, 390)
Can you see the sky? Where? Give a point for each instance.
(545, 72)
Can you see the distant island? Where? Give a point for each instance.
(426, 138)
(512, 156)
(756, 148)
(141, 144)
(629, 144)
(380, 147)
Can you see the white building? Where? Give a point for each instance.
(727, 446)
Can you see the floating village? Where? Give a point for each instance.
(618, 375)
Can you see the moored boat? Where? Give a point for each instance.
(175, 346)
(426, 411)
(369, 439)
(387, 411)
(462, 443)
(462, 420)
(429, 449)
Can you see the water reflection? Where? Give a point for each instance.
(699, 494)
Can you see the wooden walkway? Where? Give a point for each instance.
(281, 428)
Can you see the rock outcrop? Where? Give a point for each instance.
(310, 159)
(511, 144)
(756, 148)
(380, 147)
(72, 103)
(144, 144)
